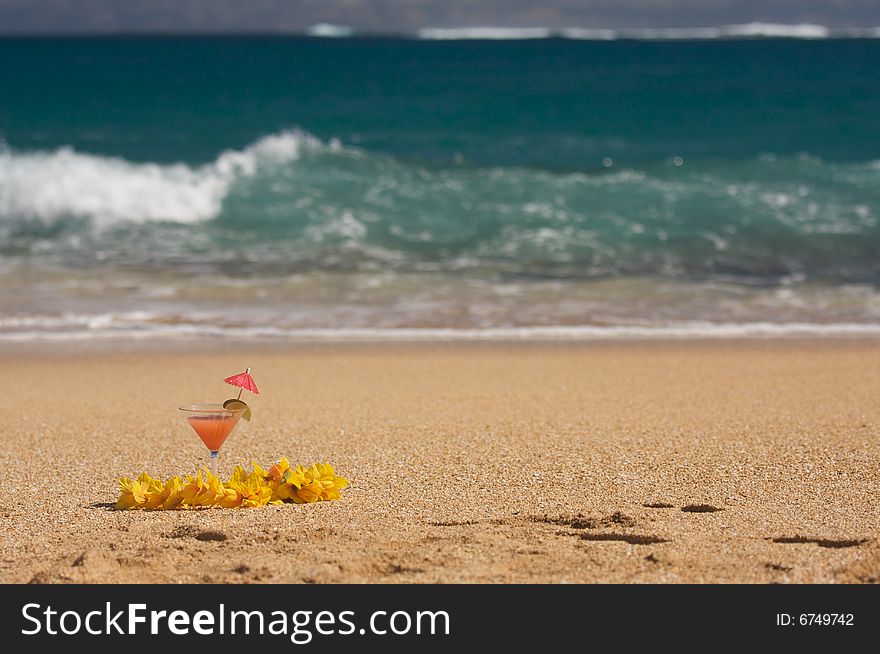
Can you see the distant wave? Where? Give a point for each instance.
(328, 30)
(66, 183)
(743, 31)
(485, 33)
(755, 30)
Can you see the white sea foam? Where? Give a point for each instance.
(748, 30)
(61, 183)
(587, 34)
(484, 33)
(145, 326)
(740, 31)
(328, 30)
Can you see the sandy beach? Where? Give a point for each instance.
(749, 461)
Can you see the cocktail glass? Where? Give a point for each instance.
(213, 424)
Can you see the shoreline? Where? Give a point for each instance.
(198, 345)
(690, 330)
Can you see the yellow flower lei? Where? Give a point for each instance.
(279, 484)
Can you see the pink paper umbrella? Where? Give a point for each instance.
(244, 381)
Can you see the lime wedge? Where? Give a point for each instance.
(237, 405)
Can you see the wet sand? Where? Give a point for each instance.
(749, 461)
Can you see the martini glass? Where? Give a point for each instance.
(213, 424)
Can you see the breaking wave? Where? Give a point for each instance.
(64, 183)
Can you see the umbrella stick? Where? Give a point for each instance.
(246, 372)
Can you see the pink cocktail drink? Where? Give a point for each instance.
(213, 429)
(213, 423)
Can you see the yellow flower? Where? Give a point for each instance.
(191, 490)
(296, 477)
(212, 491)
(173, 493)
(131, 495)
(325, 477)
(149, 484)
(256, 493)
(154, 491)
(251, 490)
(291, 480)
(231, 498)
(330, 494)
(310, 492)
(276, 472)
(280, 491)
(316, 483)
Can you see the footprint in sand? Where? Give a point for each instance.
(821, 542)
(580, 521)
(632, 539)
(211, 536)
(583, 523)
(778, 567)
(700, 508)
(198, 534)
(573, 522)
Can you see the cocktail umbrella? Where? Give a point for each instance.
(244, 381)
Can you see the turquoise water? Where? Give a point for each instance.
(276, 185)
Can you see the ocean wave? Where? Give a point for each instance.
(65, 183)
(290, 202)
(739, 31)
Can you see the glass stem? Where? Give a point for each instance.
(214, 463)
